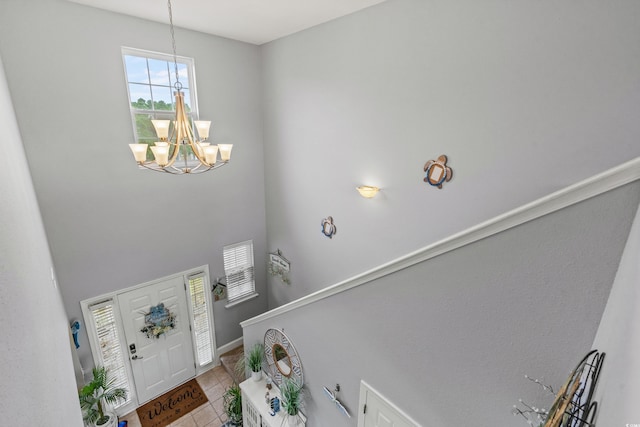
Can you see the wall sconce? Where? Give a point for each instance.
(367, 191)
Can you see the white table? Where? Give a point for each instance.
(256, 412)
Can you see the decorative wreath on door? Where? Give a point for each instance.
(158, 321)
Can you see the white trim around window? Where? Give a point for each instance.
(239, 272)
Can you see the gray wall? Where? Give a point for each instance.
(37, 371)
(525, 97)
(618, 392)
(110, 225)
(449, 340)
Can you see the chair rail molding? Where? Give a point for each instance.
(598, 184)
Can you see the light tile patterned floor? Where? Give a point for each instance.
(211, 414)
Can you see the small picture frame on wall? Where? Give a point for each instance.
(279, 266)
(219, 292)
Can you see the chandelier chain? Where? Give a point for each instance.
(177, 85)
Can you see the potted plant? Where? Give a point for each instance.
(96, 395)
(254, 361)
(291, 400)
(232, 400)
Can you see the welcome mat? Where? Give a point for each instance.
(167, 408)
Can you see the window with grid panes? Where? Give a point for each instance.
(110, 352)
(150, 82)
(238, 268)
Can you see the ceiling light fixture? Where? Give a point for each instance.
(194, 156)
(367, 191)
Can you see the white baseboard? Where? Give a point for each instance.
(220, 350)
(228, 347)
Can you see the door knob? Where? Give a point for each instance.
(136, 357)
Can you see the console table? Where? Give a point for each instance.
(255, 410)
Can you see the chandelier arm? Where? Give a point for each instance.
(187, 129)
(177, 171)
(198, 170)
(154, 167)
(174, 155)
(179, 128)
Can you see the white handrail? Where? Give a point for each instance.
(583, 190)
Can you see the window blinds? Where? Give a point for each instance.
(104, 320)
(238, 267)
(197, 289)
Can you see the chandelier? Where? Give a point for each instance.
(179, 151)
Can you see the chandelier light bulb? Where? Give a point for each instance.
(225, 151)
(162, 128)
(161, 153)
(203, 128)
(210, 154)
(139, 152)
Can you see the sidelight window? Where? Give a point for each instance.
(110, 351)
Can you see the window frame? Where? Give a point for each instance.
(204, 273)
(96, 352)
(193, 114)
(231, 270)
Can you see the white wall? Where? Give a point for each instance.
(525, 97)
(110, 225)
(618, 392)
(37, 372)
(449, 340)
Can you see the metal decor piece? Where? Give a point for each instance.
(333, 396)
(279, 266)
(282, 357)
(437, 172)
(329, 229)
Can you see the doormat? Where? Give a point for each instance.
(164, 410)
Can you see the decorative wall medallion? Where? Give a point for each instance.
(282, 358)
(279, 266)
(437, 171)
(328, 227)
(158, 321)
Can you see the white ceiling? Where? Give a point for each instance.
(251, 21)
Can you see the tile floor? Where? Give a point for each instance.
(214, 382)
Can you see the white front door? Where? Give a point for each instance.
(376, 411)
(158, 364)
